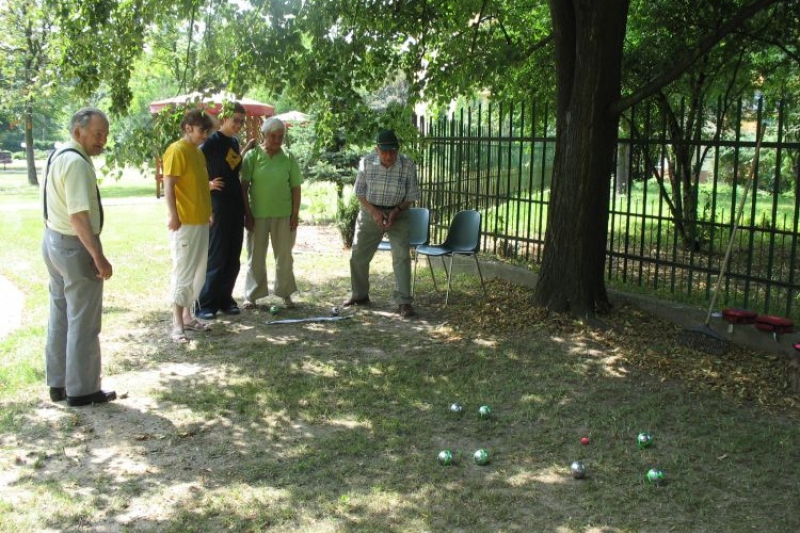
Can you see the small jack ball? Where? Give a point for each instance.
(644, 440)
(585, 441)
(335, 311)
(445, 457)
(274, 310)
(484, 411)
(481, 457)
(578, 470)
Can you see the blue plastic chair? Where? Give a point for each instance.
(463, 238)
(419, 232)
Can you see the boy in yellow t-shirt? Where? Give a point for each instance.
(188, 200)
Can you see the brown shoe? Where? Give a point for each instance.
(356, 301)
(406, 311)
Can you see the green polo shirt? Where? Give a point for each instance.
(271, 182)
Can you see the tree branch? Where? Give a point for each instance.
(477, 25)
(703, 47)
(188, 50)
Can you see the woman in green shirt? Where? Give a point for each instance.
(271, 188)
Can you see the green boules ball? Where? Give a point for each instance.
(484, 411)
(655, 476)
(481, 457)
(644, 440)
(445, 457)
(274, 310)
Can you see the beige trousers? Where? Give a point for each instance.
(283, 238)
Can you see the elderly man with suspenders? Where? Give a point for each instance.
(76, 264)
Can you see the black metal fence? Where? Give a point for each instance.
(673, 203)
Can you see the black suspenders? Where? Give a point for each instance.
(47, 172)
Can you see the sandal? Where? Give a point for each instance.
(196, 325)
(179, 336)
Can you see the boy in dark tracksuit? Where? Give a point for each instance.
(223, 158)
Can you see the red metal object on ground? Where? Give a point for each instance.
(734, 316)
(777, 325)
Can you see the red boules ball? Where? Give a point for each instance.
(584, 440)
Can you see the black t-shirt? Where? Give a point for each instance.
(224, 159)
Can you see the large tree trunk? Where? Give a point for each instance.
(32, 179)
(588, 38)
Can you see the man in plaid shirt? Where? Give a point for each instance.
(386, 186)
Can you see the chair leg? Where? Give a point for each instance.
(477, 264)
(444, 266)
(433, 276)
(449, 277)
(414, 277)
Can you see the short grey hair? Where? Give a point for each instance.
(82, 118)
(273, 124)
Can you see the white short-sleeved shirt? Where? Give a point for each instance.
(71, 188)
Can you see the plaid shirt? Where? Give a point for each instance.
(387, 186)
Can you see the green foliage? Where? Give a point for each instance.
(323, 164)
(346, 215)
(144, 142)
(94, 31)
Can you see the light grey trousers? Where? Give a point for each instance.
(72, 352)
(365, 242)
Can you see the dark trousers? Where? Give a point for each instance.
(224, 251)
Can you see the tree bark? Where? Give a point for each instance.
(32, 178)
(588, 37)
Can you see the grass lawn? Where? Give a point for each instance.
(336, 426)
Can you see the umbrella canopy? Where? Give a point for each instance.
(293, 117)
(213, 103)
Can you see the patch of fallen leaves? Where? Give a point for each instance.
(639, 338)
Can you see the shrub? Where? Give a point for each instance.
(346, 214)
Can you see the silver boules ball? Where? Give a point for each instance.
(578, 469)
(456, 408)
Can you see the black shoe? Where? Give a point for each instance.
(356, 301)
(100, 396)
(232, 310)
(58, 394)
(206, 314)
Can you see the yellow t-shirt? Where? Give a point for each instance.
(186, 162)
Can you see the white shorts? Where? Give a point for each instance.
(189, 248)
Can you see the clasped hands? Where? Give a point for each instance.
(384, 219)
